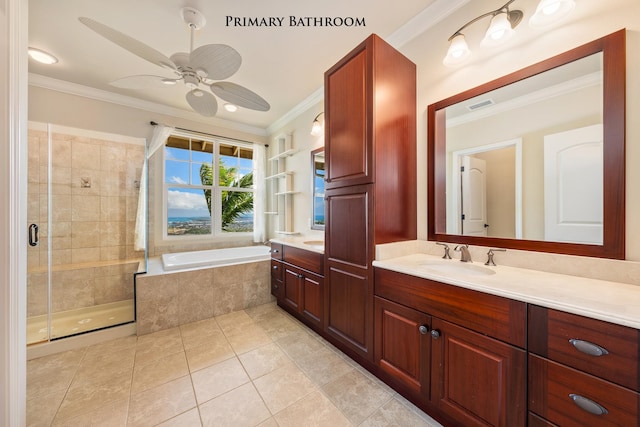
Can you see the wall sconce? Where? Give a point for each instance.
(502, 26)
(317, 128)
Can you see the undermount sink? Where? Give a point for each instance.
(317, 244)
(457, 267)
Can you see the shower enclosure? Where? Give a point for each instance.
(83, 191)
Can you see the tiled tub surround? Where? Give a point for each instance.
(168, 299)
(612, 296)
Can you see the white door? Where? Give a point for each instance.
(573, 185)
(474, 196)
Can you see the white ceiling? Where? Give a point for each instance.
(284, 65)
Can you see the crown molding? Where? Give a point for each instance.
(424, 20)
(417, 25)
(308, 102)
(38, 80)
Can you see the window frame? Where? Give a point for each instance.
(216, 190)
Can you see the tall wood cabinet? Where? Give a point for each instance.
(370, 146)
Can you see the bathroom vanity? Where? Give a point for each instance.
(507, 346)
(297, 279)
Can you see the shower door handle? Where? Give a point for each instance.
(33, 235)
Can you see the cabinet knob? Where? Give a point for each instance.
(588, 405)
(300, 276)
(424, 330)
(274, 251)
(275, 267)
(588, 348)
(435, 334)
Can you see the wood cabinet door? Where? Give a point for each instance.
(277, 285)
(403, 345)
(292, 293)
(348, 272)
(347, 129)
(477, 380)
(312, 286)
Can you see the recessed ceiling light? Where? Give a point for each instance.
(232, 108)
(42, 56)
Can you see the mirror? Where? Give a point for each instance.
(535, 160)
(317, 190)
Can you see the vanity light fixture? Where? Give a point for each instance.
(41, 56)
(317, 128)
(503, 24)
(551, 11)
(501, 28)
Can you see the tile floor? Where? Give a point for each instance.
(256, 367)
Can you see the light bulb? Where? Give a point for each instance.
(458, 51)
(499, 30)
(549, 12)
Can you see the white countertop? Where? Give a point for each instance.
(599, 299)
(308, 243)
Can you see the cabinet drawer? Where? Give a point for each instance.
(276, 270)
(307, 260)
(569, 338)
(490, 315)
(276, 251)
(557, 392)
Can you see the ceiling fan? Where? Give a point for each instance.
(203, 66)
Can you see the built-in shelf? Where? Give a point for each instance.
(286, 153)
(280, 184)
(280, 175)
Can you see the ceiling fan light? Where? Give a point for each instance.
(549, 12)
(197, 92)
(232, 108)
(169, 82)
(41, 56)
(499, 30)
(458, 51)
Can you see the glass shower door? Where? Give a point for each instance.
(38, 295)
(83, 199)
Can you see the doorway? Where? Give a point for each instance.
(503, 203)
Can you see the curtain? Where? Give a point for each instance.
(158, 139)
(260, 193)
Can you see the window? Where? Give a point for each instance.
(208, 187)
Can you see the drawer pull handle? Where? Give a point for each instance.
(588, 348)
(588, 405)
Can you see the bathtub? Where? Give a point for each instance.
(215, 257)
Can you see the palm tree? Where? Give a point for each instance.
(234, 203)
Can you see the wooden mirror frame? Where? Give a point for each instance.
(313, 225)
(613, 48)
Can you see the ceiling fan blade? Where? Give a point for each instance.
(219, 61)
(129, 43)
(240, 96)
(143, 82)
(203, 102)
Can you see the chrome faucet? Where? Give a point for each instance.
(490, 256)
(465, 256)
(446, 250)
